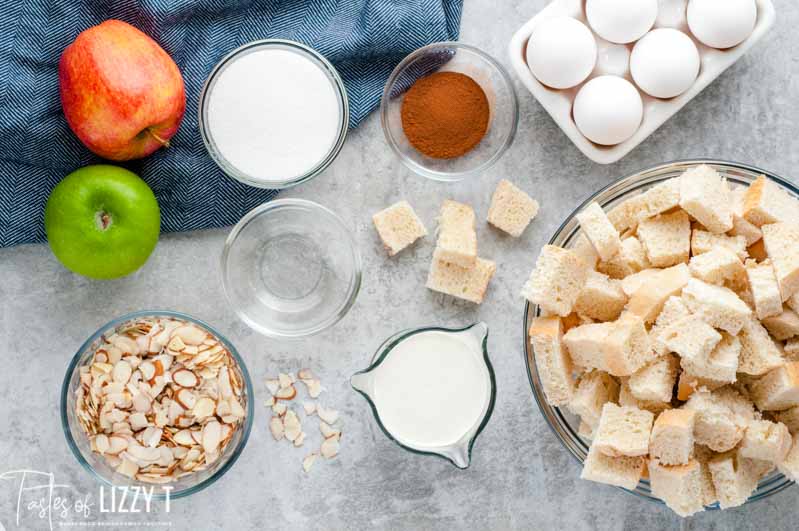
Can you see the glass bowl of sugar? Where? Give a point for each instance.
(273, 113)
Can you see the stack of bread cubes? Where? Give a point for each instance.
(671, 328)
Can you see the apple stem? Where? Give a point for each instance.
(103, 220)
(164, 142)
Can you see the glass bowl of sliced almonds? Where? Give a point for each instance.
(157, 398)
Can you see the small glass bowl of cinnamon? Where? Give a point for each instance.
(449, 111)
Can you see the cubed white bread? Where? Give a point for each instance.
(600, 231)
(688, 384)
(782, 245)
(573, 320)
(623, 431)
(778, 390)
(659, 199)
(740, 225)
(720, 421)
(717, 267)
(630, 259)
(783, 326)
(666, 238)
(691, 338)
(703, 455)
(626, 398)
(602, 298)
(703, 242)
(718, 306)
(586, 344)
(759, 352)
(655, 381)
(721, 365)
(511, 209)
(673, 310)
(672, 440)
(624, 472)
(648, 300)
(765, 289)
(624, 216)
(632, 282)
(735, 477)
(585, 251)
(457, 238)
(552, 361)
(679, 486)
(766, 441)
(705, 196)
(467, 283)
(398, 227)
(790, 465)
(620, 347)
(767, 202)
(594, 390)
(791, 349)
(556, 281)
(757, 251)
(789, 417)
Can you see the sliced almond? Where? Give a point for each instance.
(314, 387)
(279, 409)
(291, 425)
(203, 408)
(116, 445)
(176, 344)
(308, 462)
(330, 448)
(183, 438)
(286, 393)
(276, 427)
(147, 370)
(327, 431)
(284, 380)
(236, 409)
(127, 468)
(310, 407)
(186, 398)
(122, 371)
(305, 374)
(101, 443)
(190, 335)
(328, 415)
(212, 436)
(299, 440)
(138, 421)
(185, 378)
(141, 403)
(151, 436)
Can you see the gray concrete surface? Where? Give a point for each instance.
(521, 477)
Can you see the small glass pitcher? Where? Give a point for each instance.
(459, 453)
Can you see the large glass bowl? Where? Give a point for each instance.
(492, 78)
(562, 422)
(79, 443)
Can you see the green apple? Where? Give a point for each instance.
(102, 221)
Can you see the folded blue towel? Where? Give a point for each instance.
(364, 39)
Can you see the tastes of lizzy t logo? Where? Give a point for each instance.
(40, 497)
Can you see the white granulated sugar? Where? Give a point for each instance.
(273, 114)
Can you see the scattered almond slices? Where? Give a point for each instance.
(330, 448)
(328, 415)
(308, 462)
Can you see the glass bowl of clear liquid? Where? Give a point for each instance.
(291, 268)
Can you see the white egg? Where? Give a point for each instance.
(722, 24)
(608, 110)
(665, 63)
(621, 21)
(561, 52)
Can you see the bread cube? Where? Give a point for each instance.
(511, 209)
(585, 251)
(673, 310)
(672, 440)
(691, 338)
(626, 398)
(790, 465)
(778, 389)
(783, 326)
(687, 385)
(666, 238)
(655, 381)
(624, 216)
(705, 196)
(735, 478)
(717, 267)
(601, 298)
(627, 346)
(457, 238)
(789, 417)
(398, 227)
(630, 259)
(594, 390)
(782, 245)
(659, 199)
(467, 283)
(717, 425)
(791, 349)
(718, 306)
(740, 225)
(757, 251)
(623, 431)
(648, 300)
(766, 441)
(703, 455)
(759, 353)
(624, 472)
(632, 282)
(679, 486)
(600, 231)
(552, 361)
(764, 288)
(703, 242)
(586, 344)
(767, 202)
(557, 280)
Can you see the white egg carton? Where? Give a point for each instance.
(558, 103)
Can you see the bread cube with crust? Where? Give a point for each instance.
(555, 368)
(740, 225)
(722, 363)
(594, 390)
(659, 199)
(398, 227)
(672, 440)
(766, 441)
(626, 398)
(630, 259)
(720, 421)
(759, 353)
(557, 280)
(735, 477)
(782, 245)
(687, 385)
(467, 283)
(691, 338)
(457, 238)
(620, 347)
(703, 242)
(666, 238)
(717, 267)
(600, 231)
(718, 306)
(601, 298)
(765, 289)
(623, 431)
(655, 381)
(631, 283)
(624, 472)
(778, 390)
(511, 209)
(679, 486)
(767, 202)
(585, 251)
(783, 326)
(706, 197)
(647, 302)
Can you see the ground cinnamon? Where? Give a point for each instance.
(445, 114)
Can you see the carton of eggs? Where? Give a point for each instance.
(610, 72)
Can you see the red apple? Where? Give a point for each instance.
(122, 94)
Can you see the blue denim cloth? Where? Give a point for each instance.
(364, 39)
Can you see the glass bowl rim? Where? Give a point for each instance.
(769, 485)
(441, 175)
(341, 95)
(389, 344)
(356, 277)
(248, 424)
